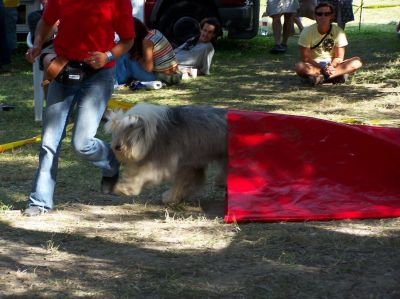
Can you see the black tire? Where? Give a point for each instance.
(182, 12)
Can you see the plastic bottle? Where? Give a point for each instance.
(264, 26)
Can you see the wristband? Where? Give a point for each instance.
(109, 56)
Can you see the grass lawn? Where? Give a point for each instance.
(98, 246)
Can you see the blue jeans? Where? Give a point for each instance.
(91, 98)
(127, 68)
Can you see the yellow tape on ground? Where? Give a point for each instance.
(112, 104)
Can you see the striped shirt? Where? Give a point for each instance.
(163, 54)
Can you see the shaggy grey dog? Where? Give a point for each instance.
(159, 143)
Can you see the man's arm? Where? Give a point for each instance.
(121, 48)
(337, 60)
(97, 60)
(339, 56)
(207, 59)
(305, 54)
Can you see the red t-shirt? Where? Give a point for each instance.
(88, 26)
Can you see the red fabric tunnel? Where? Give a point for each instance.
(294, 168)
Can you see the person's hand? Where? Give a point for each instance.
(97, 60)
(32, 53)
(330, 69)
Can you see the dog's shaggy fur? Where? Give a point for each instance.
(159, 143)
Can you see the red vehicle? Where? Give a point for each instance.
(176, 18)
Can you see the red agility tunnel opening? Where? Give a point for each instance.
(294, 168)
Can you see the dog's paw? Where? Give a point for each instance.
(124, 189)
(167, 198)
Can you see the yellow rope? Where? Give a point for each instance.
(112, 104)
(11, 145)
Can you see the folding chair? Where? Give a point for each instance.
(38, 94)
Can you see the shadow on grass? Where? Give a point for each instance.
(287, 260)
(78, 183)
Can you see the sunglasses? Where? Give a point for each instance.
(326, 14)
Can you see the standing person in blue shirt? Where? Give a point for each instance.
(11, 22)
(5, 53)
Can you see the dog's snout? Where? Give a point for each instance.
(117, 147)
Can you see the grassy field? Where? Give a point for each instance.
(97, 246)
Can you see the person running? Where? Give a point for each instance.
(87, 50)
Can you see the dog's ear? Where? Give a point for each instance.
(113, 121)
(135, 122)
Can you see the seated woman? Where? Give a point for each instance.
(150, 58)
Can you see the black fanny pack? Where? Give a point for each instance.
(74, 72)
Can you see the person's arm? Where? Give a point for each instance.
(207, 59)
(305, 54)
(147, 60)
(98, 60)
(179, 48)
(338, 59)
(338, 56)
(42, 33)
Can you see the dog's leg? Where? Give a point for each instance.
(187, 181)
(135, 178)
(131, 182)
(220, 179)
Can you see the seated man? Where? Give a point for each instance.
(322, 50)
(198, 52)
